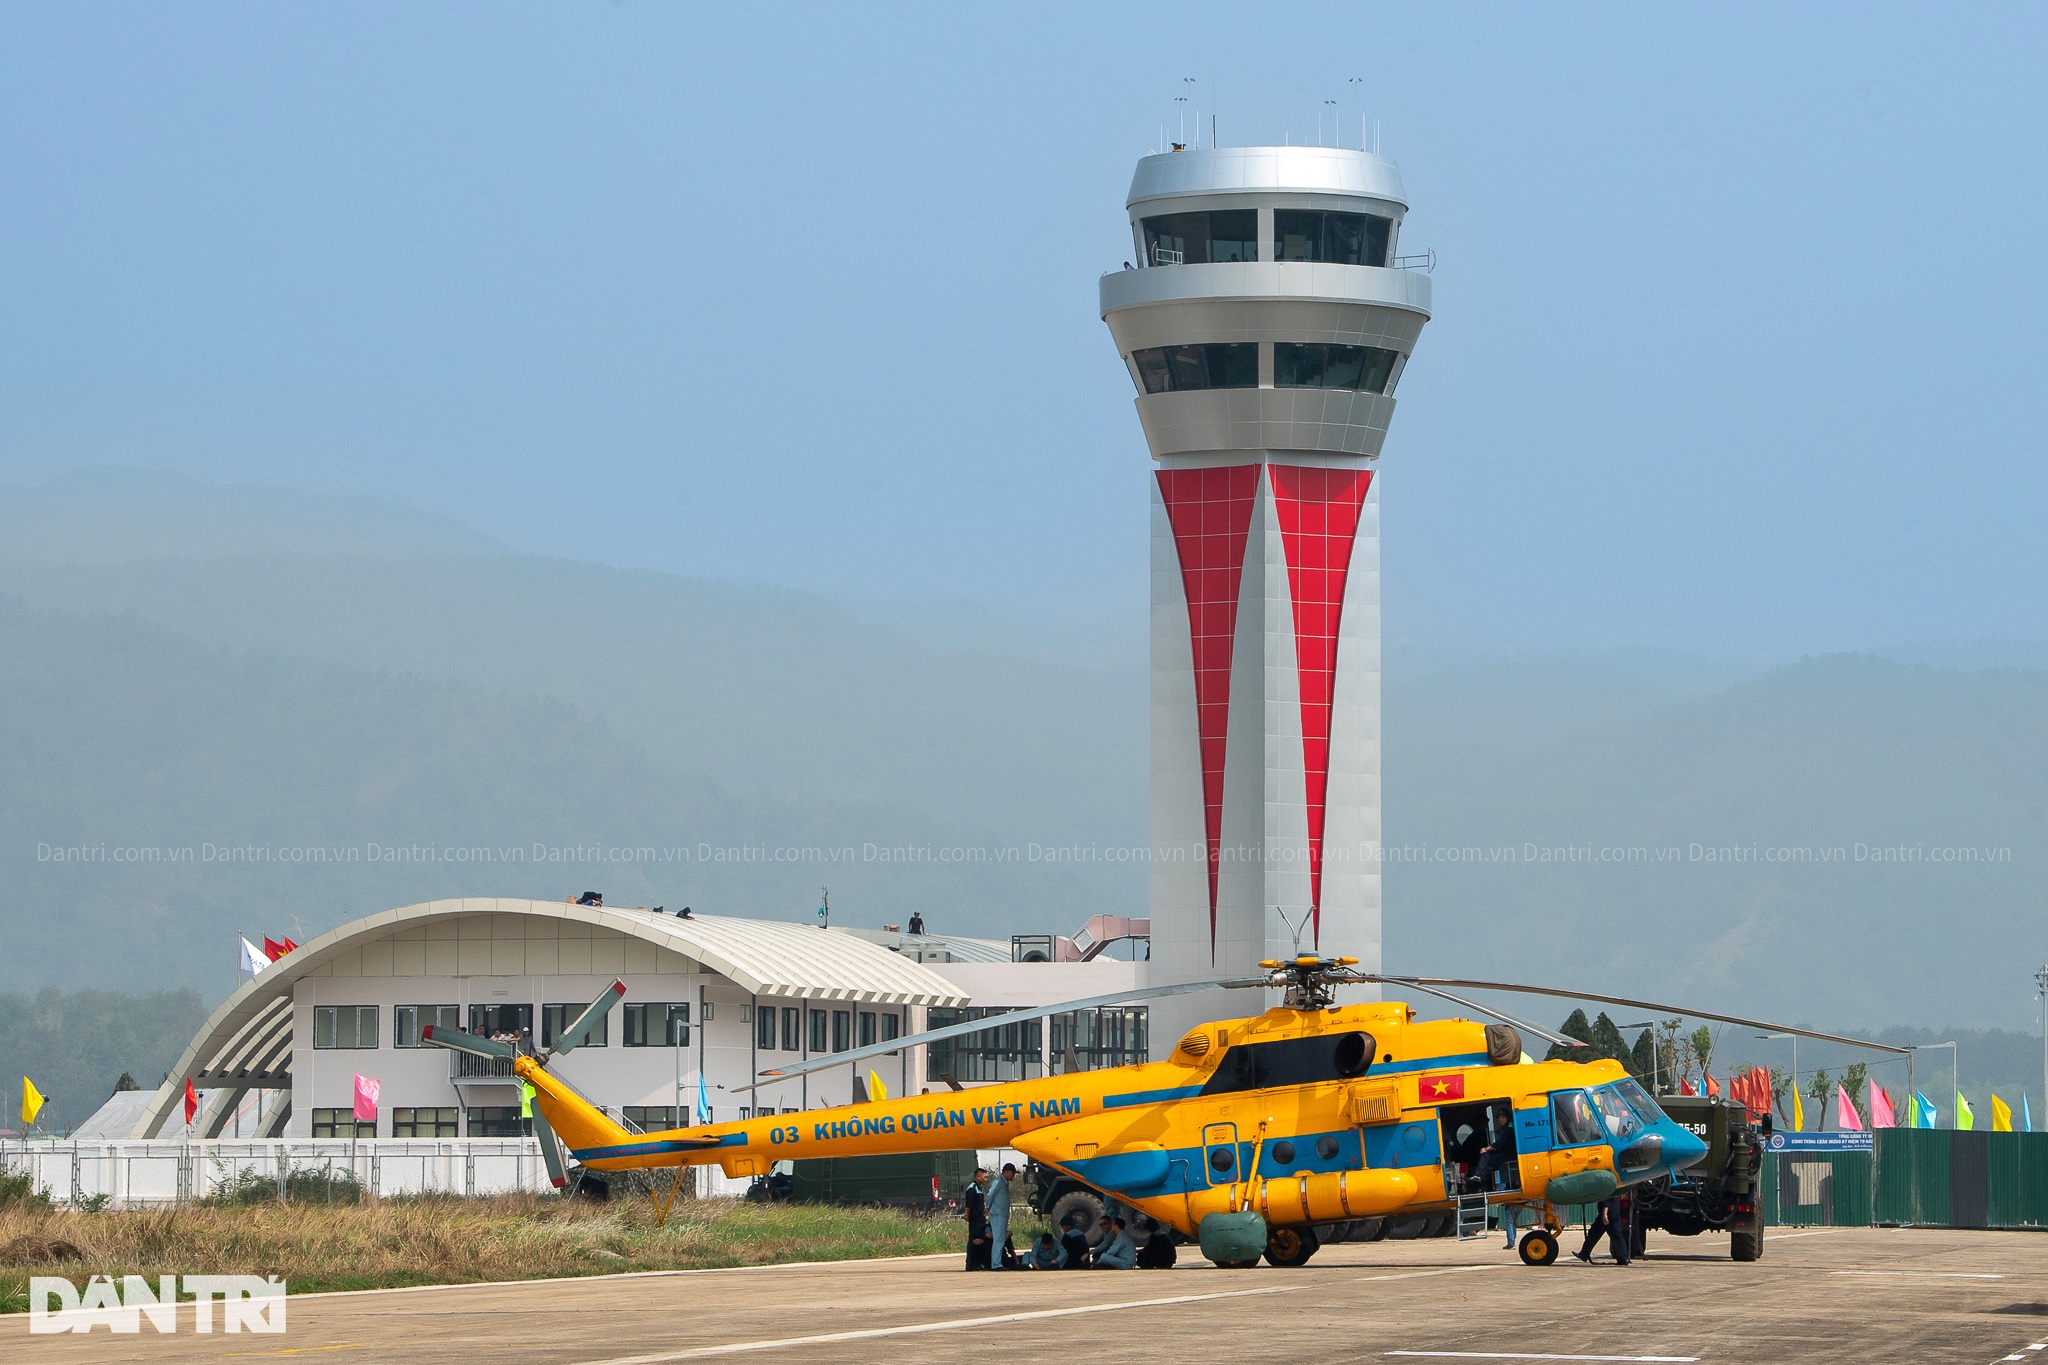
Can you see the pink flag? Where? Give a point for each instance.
(1846, 1117)
(1881, 1108)
(366, 1099)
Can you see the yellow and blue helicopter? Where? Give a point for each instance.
(1251, 1132)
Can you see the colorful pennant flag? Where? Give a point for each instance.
(1881, 1115)
(1798, 1109)
(367, 1090)
(2001, 1115)
(876, 1091)
(1846, 1117)
(191, 1102)
(703, 1100)
(32, 1101)
(253, 960)
(1713, 1087)
(1685, 1087)
(1925, 1115)
(1966, 1118)
(2026, 1113)
(525, 1100)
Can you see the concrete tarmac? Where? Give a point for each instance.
(1851, 1294)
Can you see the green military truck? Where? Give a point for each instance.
(929, 1182)
(1721, 1193)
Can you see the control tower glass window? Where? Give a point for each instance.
(1219, 365)
(1334, 238)
(1201, 238)
(1308, 365)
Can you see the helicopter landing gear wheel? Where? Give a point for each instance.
(1290, 1246)
(1539, 1247)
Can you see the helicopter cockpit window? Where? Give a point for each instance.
(1646, 1108)
(1621, 1120)
(1291, 1061)
(1572, 1118)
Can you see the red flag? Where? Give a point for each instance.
(290, 946)
(1713, 1087)
(1448, 1086)
(274, 950)
(191, 1101)
(1685, 1087)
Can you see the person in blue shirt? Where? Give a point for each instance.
(1116, 1250)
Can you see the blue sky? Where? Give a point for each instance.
(1738, 345)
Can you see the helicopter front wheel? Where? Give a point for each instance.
(1290, 1246)
(1539, 1247)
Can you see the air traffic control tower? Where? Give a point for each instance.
(1265, 327)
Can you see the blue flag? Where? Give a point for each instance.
(1926, 1110)
(2026, 1114)
(703, 1100)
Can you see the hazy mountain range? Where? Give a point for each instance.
(270, 680)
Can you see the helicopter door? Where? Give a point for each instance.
(1219, 1153)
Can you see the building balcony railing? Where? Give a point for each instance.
(467, 1066)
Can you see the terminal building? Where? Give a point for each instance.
(711, 1002)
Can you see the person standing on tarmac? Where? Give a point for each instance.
(1613, 1220)
(999, 1208)
(979, 1245)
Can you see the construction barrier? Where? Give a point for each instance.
(1913, 1177)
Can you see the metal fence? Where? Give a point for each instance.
(1924, 1177)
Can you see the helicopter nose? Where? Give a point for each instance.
(1683, 1149)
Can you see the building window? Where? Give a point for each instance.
(1332, 238)
(652, 1118)
(1009, 1052)
(1094, 1040)
(341, 1123)
(554, 1018)
(657, 1025)
(764, 1028)
(427, 1123)
(1217, 365)
(842, 1030)
(891, 1028)
(344, 1026)
(867, 1028)
(1311, 365)
(408, 1020)
(817, 1031)
(792, 1029)
(1202, 238)
(506, 1023)
(498, 1120)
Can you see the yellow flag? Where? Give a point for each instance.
(875, 1091)
(2001, 1115)
(1798, 1111)
(32, 1101)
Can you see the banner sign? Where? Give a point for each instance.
(1819, 1142)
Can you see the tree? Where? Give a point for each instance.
(1853, 1079)
(1608, 1044)
(1781, 1094)
(127, 1082)
(1642, 1058)
(1702, 1043)
(1818, 1087)
(1574, 1026)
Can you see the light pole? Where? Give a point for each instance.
(1656, 1070)
(2041, 988)
(1795, 1068)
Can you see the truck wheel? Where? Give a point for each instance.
(1638, 1236)
(1746, 1240)
(1081, 1204)
(1290, 1246)
(1539, 1247)
(1369, 1230)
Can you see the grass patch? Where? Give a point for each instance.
(394, 1242)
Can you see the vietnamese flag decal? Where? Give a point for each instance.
(1450, 1086)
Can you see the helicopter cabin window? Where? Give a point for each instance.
(1007, 1052)
(554, 1018)
(1332, 238)
(1638, 1100)
(1291, 1061)
(1202, 238)
(1213, 365)
(1621, 1120)
(1572, 1117)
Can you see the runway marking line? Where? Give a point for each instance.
(2024, 1352)
(293, 1351)
(1524, 1355)
(1920, 1274)
(1424, 1274)
(1794, 1236)
(921, 1328)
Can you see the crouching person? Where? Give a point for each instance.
(1158, 1252)
(1116, 1250)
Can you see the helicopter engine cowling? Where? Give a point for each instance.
(1334, 1196)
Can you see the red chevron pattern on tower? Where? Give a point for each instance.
(1318, 511)
(1210, 511)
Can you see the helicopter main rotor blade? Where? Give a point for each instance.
(458, 1041)
(573, 1036)
(1522, 1024)
(861, 1054)
(1425, 982)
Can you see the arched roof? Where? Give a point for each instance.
(248, 1040)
